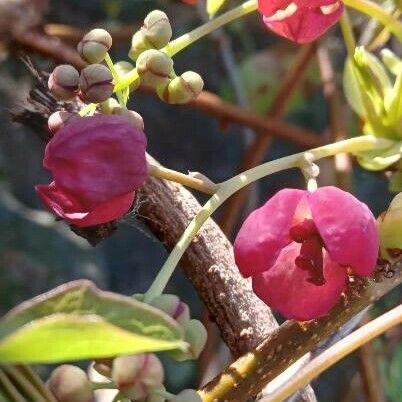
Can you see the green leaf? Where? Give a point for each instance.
(213, 6)
(78, 321)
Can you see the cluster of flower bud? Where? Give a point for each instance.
(195, 333)
(94, 84)
(154, 34)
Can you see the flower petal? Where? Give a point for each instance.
(67, 208)
(265, 232)
(285, 287)
(97, 158)
(299, 22)
(347, 227)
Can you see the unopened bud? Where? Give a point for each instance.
(70, 384)
(94, 45)
(124, 67)
(63, 82)
(195, 335)
(96, 83)
(154, 67)
(182, 89)
(139, 44)
(108, 106)
(187, 395)
(157, 29)
(60, 119)
(172, 305)
(132, 117)
(390, 229)
(135, 376)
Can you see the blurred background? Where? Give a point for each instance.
(244, 65)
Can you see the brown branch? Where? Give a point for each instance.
(37, 42)
(258, 149)
(247, 376)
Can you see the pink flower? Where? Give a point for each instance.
(298, 246)
(300, 21)
(97, 163)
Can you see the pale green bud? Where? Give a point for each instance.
(181, 89)
(124, 67)
(174, 307)
(94, 45)
(154, 67)
(157, 29)
(136, 375)
(139, 44)
(70, 384)
(131, 116)
(63, 82)
(187, 395)
(96, 83)
(108, 106)
(390, 229)
(195, 335)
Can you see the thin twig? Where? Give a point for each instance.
(337, 352)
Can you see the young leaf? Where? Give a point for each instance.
(78, 321)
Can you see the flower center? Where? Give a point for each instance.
(310, 258)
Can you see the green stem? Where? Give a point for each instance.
(348, 35)
(116, 78)
(32, 377)
(9, 388)
(231, 186)
(377, 12)
(102, 385)
(187, 39)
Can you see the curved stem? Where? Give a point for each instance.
(377, 12)
(337, 352)
(9, 388)
(348, 35)
(186, 180)
(32, 377)
(116, 78)
(229, 187)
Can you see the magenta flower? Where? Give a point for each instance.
(299, 245)
(300, 21)
(97, 164)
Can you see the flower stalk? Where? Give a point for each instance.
(229, 187)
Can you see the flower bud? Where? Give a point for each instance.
(60, 119)
(94, 45)
(172, 305)
(195, 335)
(154, 67)
(182, 89)
(139, 44)
(157, 29)
(124, 67)
(108, 106)
(70, 384)
(136, 375)
(63, 82)
(96, 83)
(133, 117)
(187, 395)
(390, 228)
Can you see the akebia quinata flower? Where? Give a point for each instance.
(300, 21)
(97, 164)
(300, 246)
